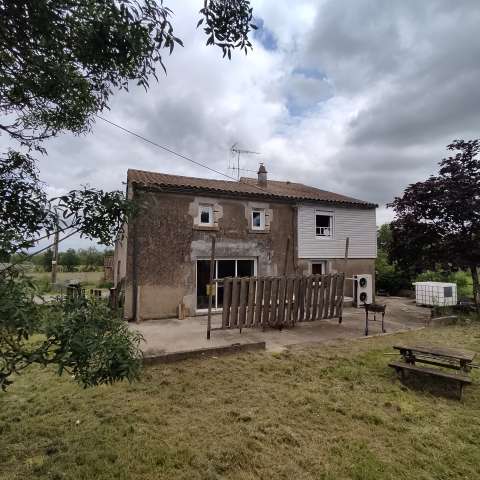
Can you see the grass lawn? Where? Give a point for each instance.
(333, 412)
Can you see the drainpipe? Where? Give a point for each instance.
(294, 239)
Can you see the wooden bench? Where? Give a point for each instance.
(461, 380)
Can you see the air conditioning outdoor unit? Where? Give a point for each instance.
(362, 289)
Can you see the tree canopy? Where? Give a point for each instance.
(438, 220)
(60, 63)
(63, 59)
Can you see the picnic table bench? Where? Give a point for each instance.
(448, 358)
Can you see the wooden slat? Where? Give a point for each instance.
(267, 292)
(328, 281)
(251, 301)
(258, 302)
(235, 298)
(301, 299)
(321, 296)
(308, 298)
(296, 299)
(272, 319)
(316, 285)
(242, 307)
(289, 298)
(282, 286)
(333, 295)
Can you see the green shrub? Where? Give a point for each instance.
(388, 278)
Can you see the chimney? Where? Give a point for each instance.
(262, 175)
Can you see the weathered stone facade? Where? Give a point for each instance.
(163, 246)
(156, 260)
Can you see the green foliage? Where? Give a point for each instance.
(62, 60)
(438, 220)
(384, 238)
(69, 260)
(388, 278)
(92, 343)
(24, 210)
(227, 24)
(80, 336)
(462, 279)
(90, 258)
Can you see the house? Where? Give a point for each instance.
(262, 227)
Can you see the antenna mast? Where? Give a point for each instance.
(236, 151)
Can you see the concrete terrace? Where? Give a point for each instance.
(170, 336)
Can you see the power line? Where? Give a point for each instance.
(173, 152)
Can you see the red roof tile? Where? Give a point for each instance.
(246, 186)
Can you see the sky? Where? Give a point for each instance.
(359, 97)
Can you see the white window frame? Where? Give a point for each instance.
(205, 207)
(331, 228)
(261, 211)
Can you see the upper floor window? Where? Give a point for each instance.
(205, 215)
(258, 219)
(323, 224)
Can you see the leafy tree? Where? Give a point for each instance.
(438, 220)
(69, 259)
(77, 335)
(61, 61)
(384, 238)
(90, 258)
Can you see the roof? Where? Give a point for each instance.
(244, 187)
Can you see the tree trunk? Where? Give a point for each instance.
(476, 287)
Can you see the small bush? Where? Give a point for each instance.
(388, 278)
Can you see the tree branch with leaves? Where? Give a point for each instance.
(438, 220)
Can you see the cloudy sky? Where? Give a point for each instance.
(354, 96)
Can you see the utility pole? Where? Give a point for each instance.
(55, 256)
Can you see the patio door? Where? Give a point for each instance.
(223, 268)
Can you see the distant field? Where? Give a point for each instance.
(88, 278)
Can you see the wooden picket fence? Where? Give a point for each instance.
(280, 302)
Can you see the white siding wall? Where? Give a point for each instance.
(356, 223)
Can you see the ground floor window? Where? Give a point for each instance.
(223, 268)
(319, 268)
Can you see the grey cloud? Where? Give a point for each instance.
(396, 82)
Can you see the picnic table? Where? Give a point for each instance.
(447, 358)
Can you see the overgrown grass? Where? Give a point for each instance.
(334, 412)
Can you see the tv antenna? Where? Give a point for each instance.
(234, 166)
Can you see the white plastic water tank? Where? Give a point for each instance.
(438, 294)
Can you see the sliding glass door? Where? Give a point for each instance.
(223, 268)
